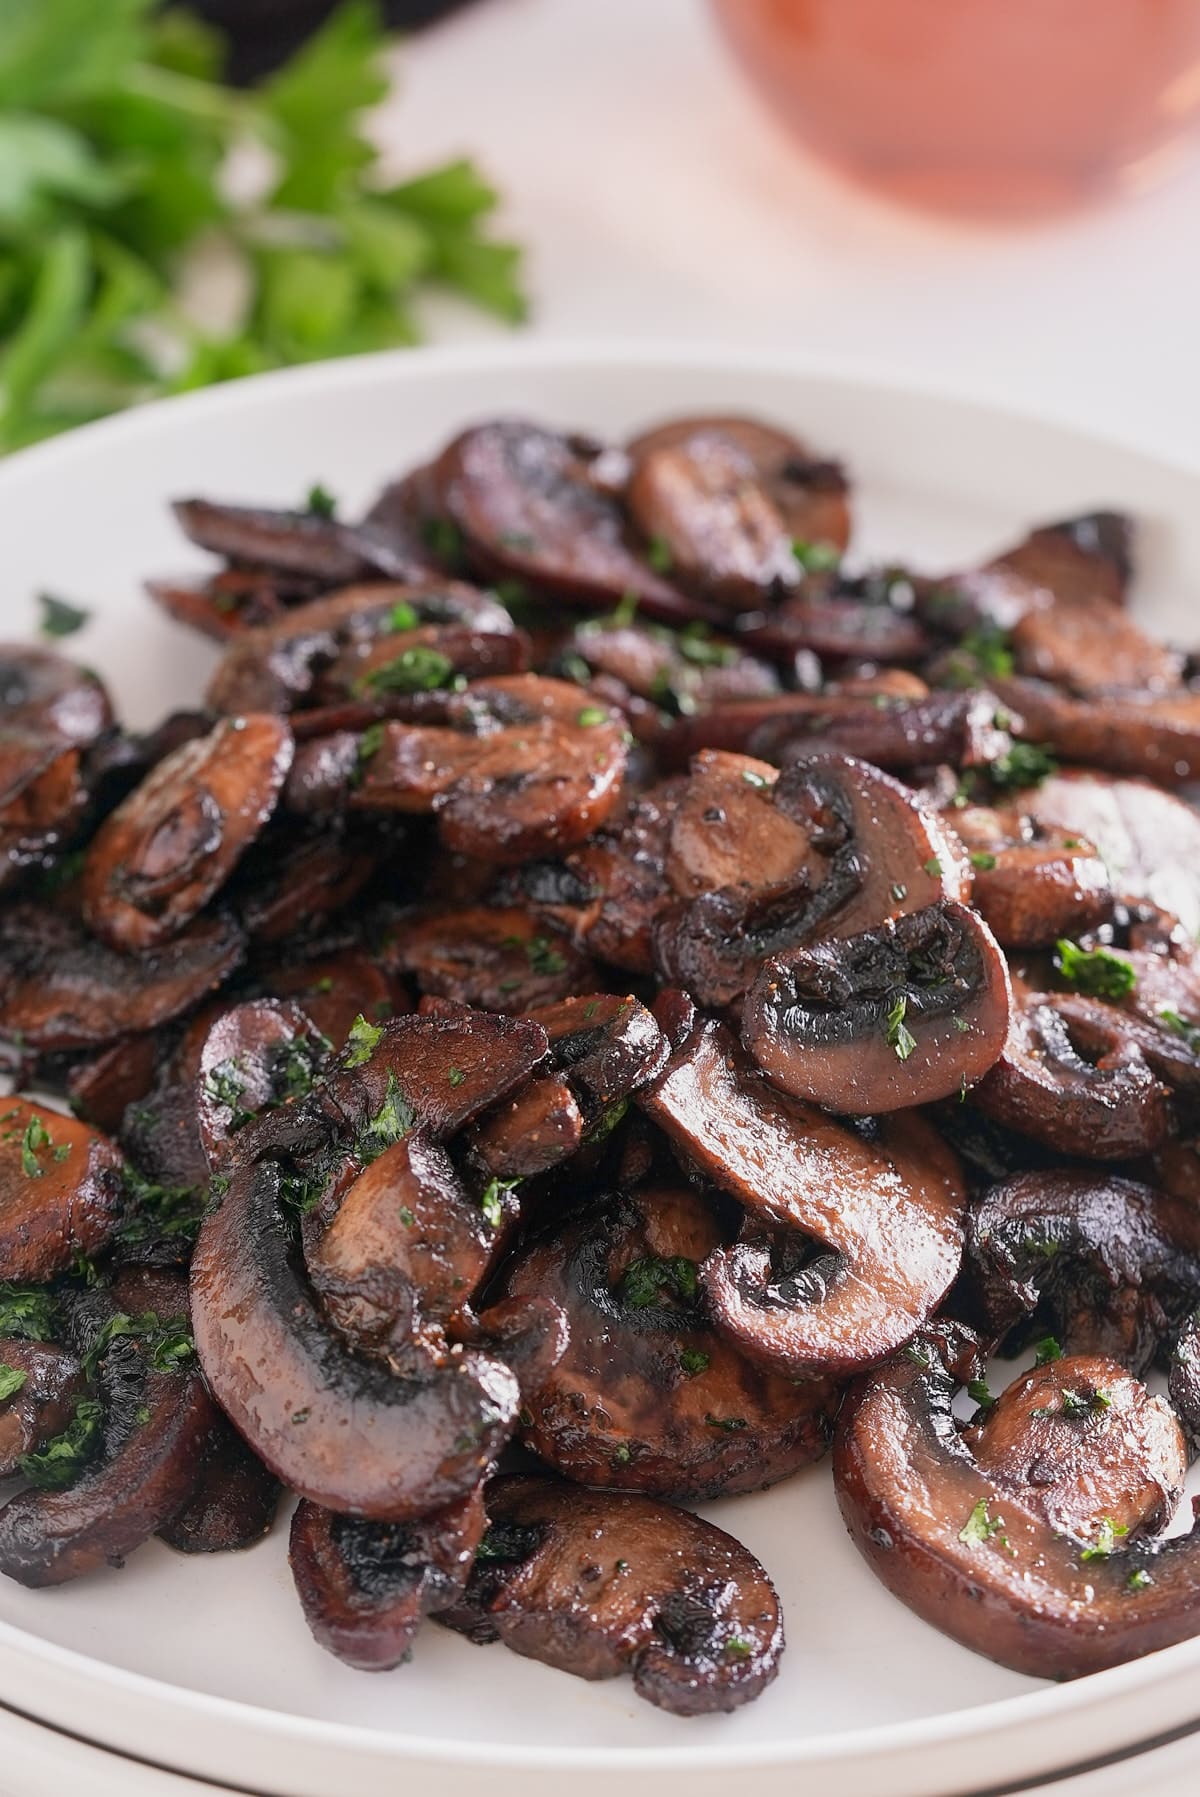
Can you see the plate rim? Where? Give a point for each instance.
(1048, 1703)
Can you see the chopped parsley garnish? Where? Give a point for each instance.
(591, 715)
(62, 1459)
(456, 1076)
(320, 502)
(816, 558)
(1096, 971)
(729, 1424)
(369, 745)
(362, 1041)
(1138, 1580)
(1106, 1539)
(696, 645)
(983, 654)
(982, 860)
(933, 867)
(1048, 1349)
(738, 1648)
(644, 1281)
(167, 1345)
(1179, 1026)
(155, 1213)
(444, 537)
(900, 1038)
(621, 1454)
(979, 1526)
(918, 1355)
(11, 1381)
(658, 554)
(693, 1361)
(225, 1084)
(390, 1124)
(753, 779)
(35, 1138)
(491, 1202)
(980, 1393)
(417, 669)
(60, 618)
(543, 957)
(1025, 764)
(403, 617)
(28, 1311)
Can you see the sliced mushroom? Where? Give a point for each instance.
(905, 1014)
(498, 958)
(854, 619)
(526, 507)
(1091, 650)
(60, 1190)
(42, 798)
(233, 1501)
(1032, 884)
(42, 1385)
(520, 768)
(538, 1129)
(151, 1428)
(648, 1397)
(887, 1213)
(596, 1584)
(347, 1433)
(1184, 1382)
(1088, 557)
(44, 692)
(676, 672)
(605, 1046)
(255, 1055)
(365, 1587)
(308, 544)
(334, 990)
(1080, 1084)
(1111, 1265)
(221, 606)
(973, 1553)
(1155, 735)
(174, 842)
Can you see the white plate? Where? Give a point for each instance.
(206, 1666)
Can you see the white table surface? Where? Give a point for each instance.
(658, 200)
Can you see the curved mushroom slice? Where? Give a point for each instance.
(605, 1047)
(676, 671)
(1032, 884)
(302, 543)
(526, 506)
(596, 1584)
(60, 1190)
(335, 990)
(848, 622)
(255, 1055)
(520, 768)
(41, 1386)
(976, 1557)
(131, 1452)
(1084, 1442)
(406, 1250)
(347, 1433)
(42, 798)
(233, 1501)
(220, 606)
(1113, 1265)
(1156, 735)
(648, 1397)
(45, 693)
(1091, 650)
(901, 1015)
(888, 1212)
(366, 1587)
(1082, 1087)
(722, 501)
(163, 853)
(1184, 1381)
(539, 1128)
(497, 958)
(1088, 557)
(292, 882)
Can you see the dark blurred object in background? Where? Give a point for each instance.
(262, 33)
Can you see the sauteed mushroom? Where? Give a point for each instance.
(233, 1502)
(598, 1584)
(42, 1384)
(45, 693)
(60, 1190)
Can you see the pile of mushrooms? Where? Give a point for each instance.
(603, 1000)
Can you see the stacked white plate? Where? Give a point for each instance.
(205, 1667)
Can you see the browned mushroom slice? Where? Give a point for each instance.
(44, 692)
(303, 543)
(1148, 839)
(60, 1190)
(174, 842)
(974, 1554)
(131, 1452)
(887, 1212)
(605, 1046)
(1088, 557)
(365, 1587)
(521, 768)
(1083, 1442)
(59, 988)
(901, 1015)
(255, 1055)
(1156, 735)
(334, 990)
(1092, 649)
(597, 1583)
(526, 507)
(609, 893)
(42, 798)
(846, 622)
(221, 606)
(1083, 1088)
(294, 881)
(542, 1126)
(722, 501)
(1184, 1381)
(407, 1248)
(41, 1386)
(1032, 884)
(345, 1432)
(1111, 1265)
(498, 958)
(678, 672)
(648, 1397)
(233, 1501)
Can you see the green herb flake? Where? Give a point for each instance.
(590, 716)
(60, 618)
(11, 1381)
(816, 558)
(900, 1038)
(979, 1527)
(443, 536)
(321, 502)
(621, 1454)
(982, 860)
(644, 1282)
(362, 1041)
(1048, 1349)
(1179, 1026)
(28, 1311)
(1025, 764)
(918, 1355)
(933, 867)
(543, 957)
(491, 1201)
(979, 1392)
(390, 1124)
(1138, 1580)
(417, 669)
(456, 1076)
(403, 616)
(693, 1361)
(738, 1648)
(983, 654)
(729, 1425)
(1096, 971)
(59, 1462)
(1106, 1539)
(658, 554)
(35, 1138)
(753, 779)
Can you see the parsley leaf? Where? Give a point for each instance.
(1096, 971)
(644, 1281)
(900, 1037)
(362, 1041)
(11, 1381)
(28, 1311)
(1106, 1539)
(979, 1526)
(60, 618)
(61, 1460)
